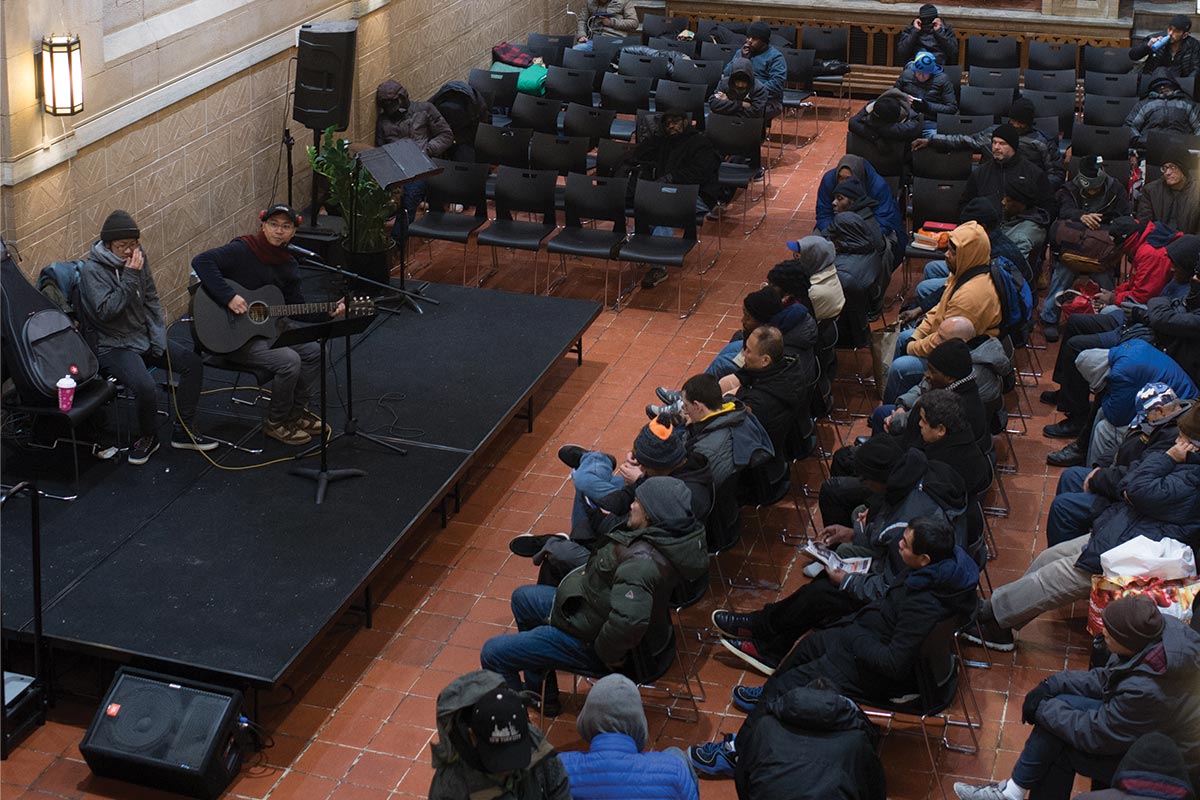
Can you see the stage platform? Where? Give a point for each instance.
(232, 573)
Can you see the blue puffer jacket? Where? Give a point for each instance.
(886, 210)
(1162, 499)
(1132, 365)
(615, 770)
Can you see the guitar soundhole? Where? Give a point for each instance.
(258, 313)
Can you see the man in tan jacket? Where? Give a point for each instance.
(969, 293)
(606, 18)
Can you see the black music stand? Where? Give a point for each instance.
(322, 332)
(395, 164)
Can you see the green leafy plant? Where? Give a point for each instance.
(371, 203)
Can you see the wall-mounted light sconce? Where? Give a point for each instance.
(59, 69)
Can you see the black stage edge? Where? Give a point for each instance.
(232, 575)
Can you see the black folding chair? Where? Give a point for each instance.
(887, 157)
(535, 113)
(568, 85)
(788, 33)
(685, 46)
(830, 44)
(458, 183)
(954, 74)
(1109, 112)
(688, 98)
(507, 146)
(624, 94)
(562, 154)
(993, 51)
(1052, 56)
(1094, 140)
(664, 205)
(637, 66)
(564, 40)
(952, 166)
(594, 123)
(530, 191)
(993, 102)
(609, 156)
(1120, 84)
(995, 77)
(656, 25)
(499, 88)
(1051, 80)
(1113, 60)
(1188, 84)
(707, 73)
(739, 137)
(958, 124)
(797, 94)
(712, 51)
(595, 199)
(1055, 104)
(932, 199)
(592, 61)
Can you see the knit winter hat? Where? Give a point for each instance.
(1022, 110)
(1091, 172)
(1150, 397)
(763, 304)
(1093, 366)
(1134, 622)
(658, 446)
(1184, 250)
(926, 64)
(614, 706)
(875, 458)
(928, 13)
(1154, 763)
(759, 30)
(886, 110)
(664, 498)
(952, 358)
(1021, 189)
(1180, 156)
(982, 210)
(119, 225)
(851, 188)
(1009, 134)
(1123, 227)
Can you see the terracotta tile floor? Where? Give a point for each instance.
(357, 718)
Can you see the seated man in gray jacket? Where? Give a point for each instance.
(120, 310)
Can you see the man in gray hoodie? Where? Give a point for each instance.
(121, 313)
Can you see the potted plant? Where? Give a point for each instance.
(365, 239)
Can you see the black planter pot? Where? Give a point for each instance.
(371, 265)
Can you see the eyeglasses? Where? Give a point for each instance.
(1170, 168)
(124, 245)
(280, 225)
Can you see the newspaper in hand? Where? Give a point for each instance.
(833, 561)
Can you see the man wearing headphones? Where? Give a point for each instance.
(254, 261)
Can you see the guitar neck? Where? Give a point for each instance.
(296, 309)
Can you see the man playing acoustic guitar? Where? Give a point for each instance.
(254, 262)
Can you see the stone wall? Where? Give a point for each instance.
(195, 172)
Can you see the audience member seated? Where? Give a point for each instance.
(596, 617)
(1173, 198)
(886, 210)
(890, 117)
(1179, 54)
(1160, 498)
(1085, 721)
(676, 153)
(811, 279)
(1023, 221)
(872, 653)
(969, 293)
(765, 306)
(929, 91)
(1083, 493)
(775, 387)
(398, 117)
(615, 18)
(811, 743)
(862, 256)
(928, 32)
(740, 94)
(991, 178)
(1030, 143)
(122, 317)
(1167, 108)
(617, 764)
(1175, 319)
(486, 747)
(987, 214)
(946, 436)
(898, 485)
(770, 67)
(1153, 767)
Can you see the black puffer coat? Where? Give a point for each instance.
(937, 92)
(1167, 110)
(1176, 326)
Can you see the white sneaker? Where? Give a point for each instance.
(991, 791)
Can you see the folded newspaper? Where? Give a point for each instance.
(833, 561)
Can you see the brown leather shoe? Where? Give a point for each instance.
(287, 433)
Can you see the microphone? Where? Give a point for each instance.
(295, 249)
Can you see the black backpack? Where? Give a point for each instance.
(40, 342)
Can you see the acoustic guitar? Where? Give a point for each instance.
(222, 331)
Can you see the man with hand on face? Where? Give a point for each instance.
(255, 261)
(928, 32)
(770, 67)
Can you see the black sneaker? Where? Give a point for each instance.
(1067, 429)
(142, 449)
(1070, 456)
(1050, 333)
(1049, 397)
(180, 440)
(988, 632)
(528, 545)
(668, 396)
(653, 277)
(571, 455)
(732, 624)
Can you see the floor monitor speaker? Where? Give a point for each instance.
(325, 74)
(166, 733)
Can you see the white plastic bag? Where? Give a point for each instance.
(1166, 559)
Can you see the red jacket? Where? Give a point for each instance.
(1149, 267)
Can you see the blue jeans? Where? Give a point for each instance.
(538, 647)
(906, 371)
(929, 291)
(594, 480)
(722, 364)
(1062, 279)
(1072, 510)
(878, 417)
(1048, 764)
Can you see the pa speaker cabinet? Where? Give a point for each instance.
(325, 74)
(166, 733)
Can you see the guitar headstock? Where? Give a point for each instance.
(359, 307)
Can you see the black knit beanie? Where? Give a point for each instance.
(119, 225)
(886, 110)
(1022, 110)
(851, 188)
(1154, 762)
(1009, 134)
(659, 446)
(877, 457)
(1184, 251)
(1022, 189)
(982, 210)
(928, 13)
(763, 304)
(952, 358)
(1134, 622)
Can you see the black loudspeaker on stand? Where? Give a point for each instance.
(166, 733)
(325, 74)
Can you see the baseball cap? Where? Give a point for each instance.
(501, 727)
